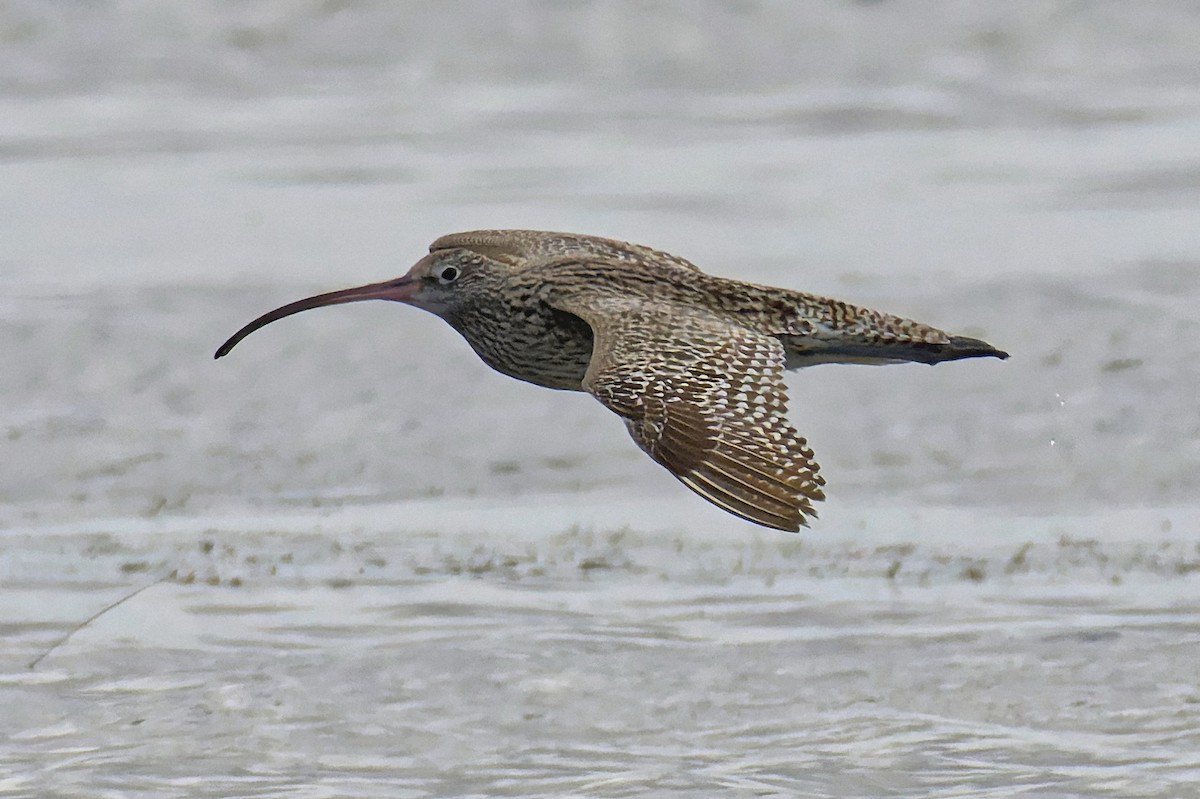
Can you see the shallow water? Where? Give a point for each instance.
(377, 569)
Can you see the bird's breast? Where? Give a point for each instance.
(531, 342)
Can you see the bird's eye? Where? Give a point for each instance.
(447, 274)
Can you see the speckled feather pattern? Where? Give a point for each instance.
(692, 362)
(705, 399)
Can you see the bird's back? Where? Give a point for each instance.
(521, 248)
(813, 329)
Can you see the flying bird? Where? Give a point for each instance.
(693, 363)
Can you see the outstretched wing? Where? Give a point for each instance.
(705, 398)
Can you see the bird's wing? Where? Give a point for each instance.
(705, 398)
(519, 247)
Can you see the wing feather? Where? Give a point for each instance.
(705, 398)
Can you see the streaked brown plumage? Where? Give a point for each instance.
(693, 363)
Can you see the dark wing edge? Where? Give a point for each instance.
(772, 486)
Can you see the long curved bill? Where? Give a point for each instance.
(398, 290)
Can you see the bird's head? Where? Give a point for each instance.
(442, 282)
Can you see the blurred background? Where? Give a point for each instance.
(171, 172)
(1027, 173)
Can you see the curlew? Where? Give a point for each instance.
(691, 362)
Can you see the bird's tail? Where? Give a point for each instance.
(848, 334)
(808, 351)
